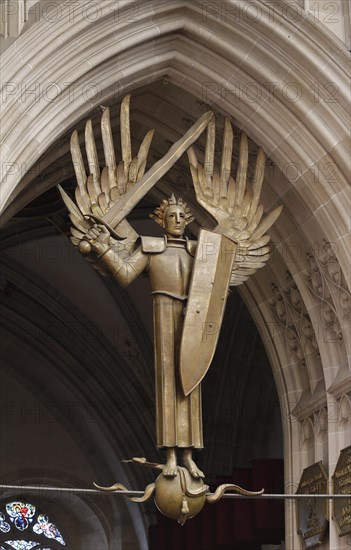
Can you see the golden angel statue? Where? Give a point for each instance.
(189, 279)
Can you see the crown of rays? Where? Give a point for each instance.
(160, 212)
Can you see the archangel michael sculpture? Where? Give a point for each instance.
(189, 279)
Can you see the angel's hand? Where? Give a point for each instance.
(233, 203)
(96, 240)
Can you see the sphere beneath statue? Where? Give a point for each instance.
(181, 497)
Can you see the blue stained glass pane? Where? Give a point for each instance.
(4, 526)
(20, 514)
(21, 544)
(48, 529)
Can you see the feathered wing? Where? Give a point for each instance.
(233, 203)
(98, 190)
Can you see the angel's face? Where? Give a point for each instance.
(174, 221)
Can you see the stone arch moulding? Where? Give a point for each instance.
(294, 123)
(300, 117)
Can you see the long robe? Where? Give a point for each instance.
(169, 262)
(178, 417)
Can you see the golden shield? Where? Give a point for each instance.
(205, 308)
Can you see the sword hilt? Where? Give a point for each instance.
(110, 229)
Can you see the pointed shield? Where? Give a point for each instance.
(205, 308)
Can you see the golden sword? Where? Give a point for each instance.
(126, 203)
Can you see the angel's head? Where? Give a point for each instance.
(173, 215)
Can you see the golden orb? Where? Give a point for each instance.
(181, 497)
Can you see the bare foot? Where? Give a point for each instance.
(190, 464)
(170, 468)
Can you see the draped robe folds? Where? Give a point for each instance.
(169, 262)
(178, 417)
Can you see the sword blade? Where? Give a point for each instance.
(126, 203)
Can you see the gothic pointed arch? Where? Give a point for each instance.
(283, 79)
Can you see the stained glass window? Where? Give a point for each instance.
(48, 529)
(4, 526)
(22, 544)
(22, 516)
